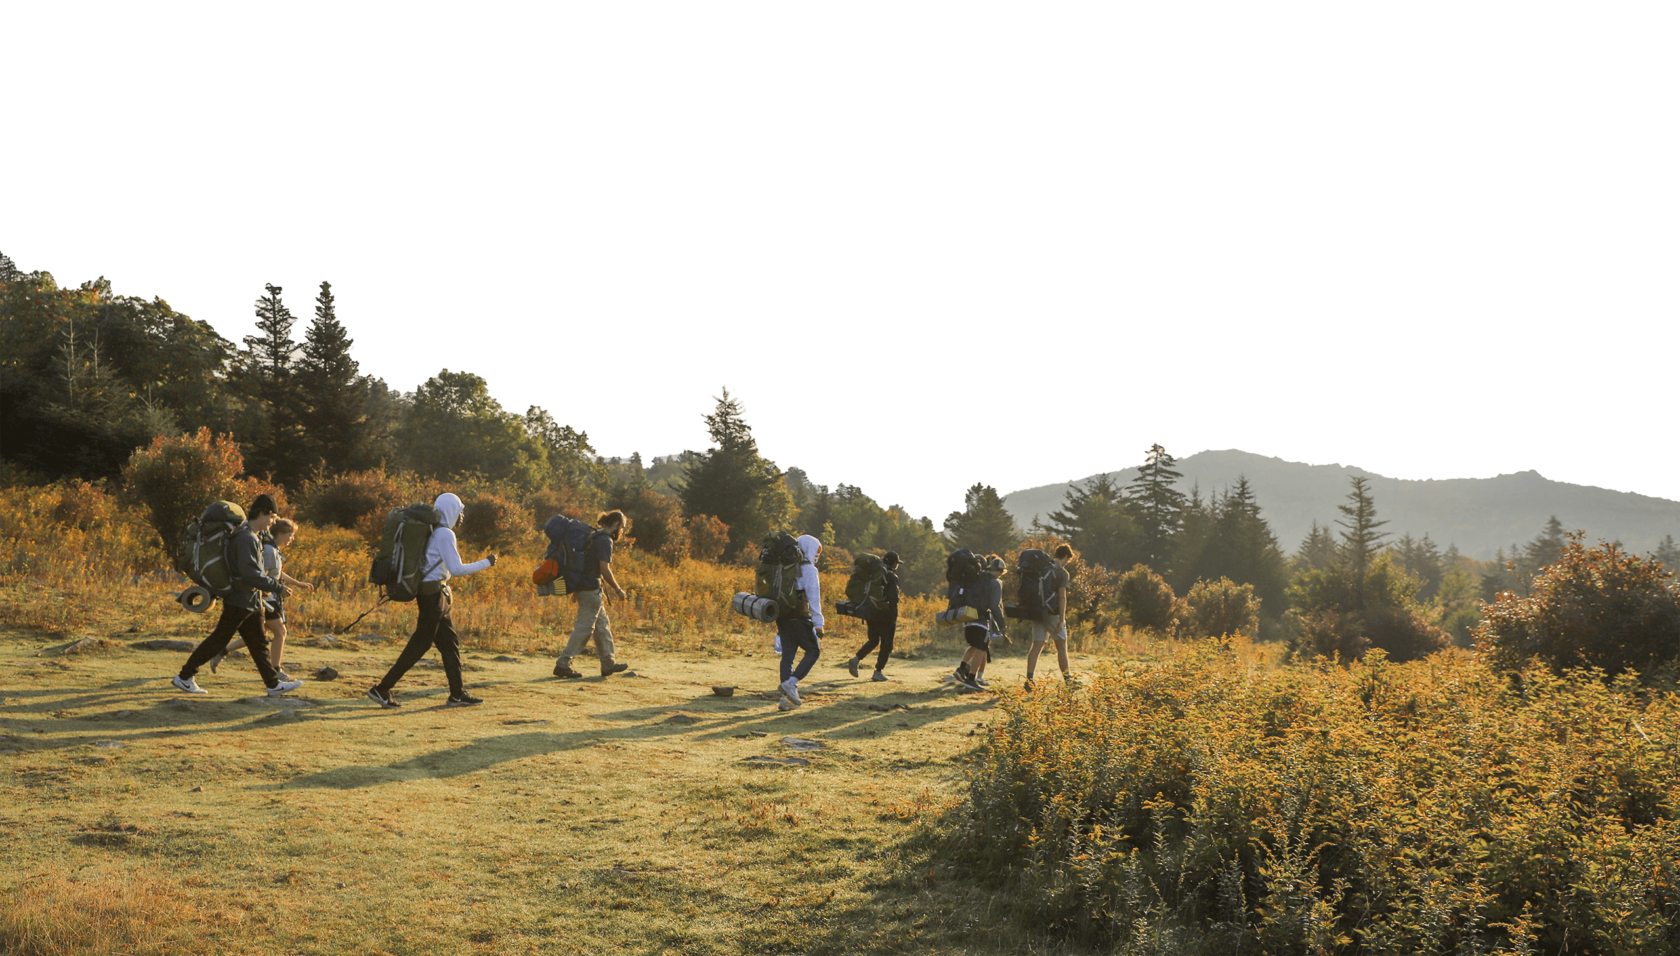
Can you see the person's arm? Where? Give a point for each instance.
(608, 579)
(444, 539)
(812, 585)
(996, 596)
(247, 565)
(292, 582)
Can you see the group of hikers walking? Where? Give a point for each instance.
(236, 555)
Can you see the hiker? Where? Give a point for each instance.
(801, 628)
(883, 626)
(433, 626)
(242, 606)
(1054, 625)
(979, 633)
(591, 601)
(279, 535)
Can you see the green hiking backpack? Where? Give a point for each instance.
(202, 553)
(779, 564)
(866, 589)
(398, 564)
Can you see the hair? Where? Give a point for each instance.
(890, 559)
(608, 517)
(1063, 553)
(995, 564)
(283, 526)
(262, 505)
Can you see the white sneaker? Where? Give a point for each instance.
(283, 687)
(790, 690)
(190, 685)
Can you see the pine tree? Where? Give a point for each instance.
(984, 526)
(1359, 541)
(1422, 560)
(277, 445)
(733, 482)
(334, 397)
(1158, 507)
(1095, 521)
(1544, 549)
(273, 352)
(1239, 544)
(1318, 551)
(1668, 554)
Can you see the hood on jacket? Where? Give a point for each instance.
(450, 506)
(809, 546)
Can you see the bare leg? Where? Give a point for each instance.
(277, 641)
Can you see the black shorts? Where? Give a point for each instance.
(274, 610)
(976, 635)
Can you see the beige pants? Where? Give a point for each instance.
(591, 622)
(1055, 627)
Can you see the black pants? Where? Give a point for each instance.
(881, 631)
(433, 627)
(234, 620)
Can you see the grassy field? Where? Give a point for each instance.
(638, 814)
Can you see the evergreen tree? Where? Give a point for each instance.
(334, 396)
(1544, 549)
(1158, 506)
(275, 442)
(1359, 541)
(1239, 545)
(8, 269)
(1668, 554)
(984, 526)
(1318, 550)
(733, 482)
(272, 353)
(1094, 519)
(1422, 560)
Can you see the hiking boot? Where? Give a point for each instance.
(463, 699)
(879, 676)
(565, 670)
(785, 705)
(284, 687)
(1028, 684)
(608, 670)
(852, 666)
(216, 662)
(382, 697)
(190, 685)
(790, 690)
(965, 679)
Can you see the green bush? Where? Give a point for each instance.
(1220, 608)
(1146, 600)
(1592, 607)
(176, 477)
(344, 500)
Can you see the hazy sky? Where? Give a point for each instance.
(1034, 372)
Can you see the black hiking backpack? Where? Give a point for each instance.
(780, 563)
(1035, 599)
(962, 579)
(202, 553)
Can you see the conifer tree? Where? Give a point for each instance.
(275, 444)
(1095, 521)
(334, 396)
(1158, 506)
(1668, 554)
(1359, 541)
(272, 353)
(1544, 549)
(733, 482)
(1318, 551)
(984, 526)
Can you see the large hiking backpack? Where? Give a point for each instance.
(866, 589)
(571, 548)
(1036, 597)
(399, 564)
(962, 579)
(780, 563)
(203, 554)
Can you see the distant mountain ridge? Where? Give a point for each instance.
(1480, 515)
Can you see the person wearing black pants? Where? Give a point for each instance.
(884, 625)
(433, 626)
(242, 607)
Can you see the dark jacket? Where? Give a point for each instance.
(991, 597)
(889, 593)
(245, 551)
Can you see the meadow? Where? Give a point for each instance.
(1181, 798)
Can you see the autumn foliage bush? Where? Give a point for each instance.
(1220, 608)
(1593, 607)
(1146, 600)
(1206, 807)
(174, 478)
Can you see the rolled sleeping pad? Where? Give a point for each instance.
(958, 615)
(196, 599)
(546, 590)
(755, 607)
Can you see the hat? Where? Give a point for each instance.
(262, 505)
(996, 564)
(890, 559)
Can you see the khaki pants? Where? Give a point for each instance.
(591, 622)
(1055, 627)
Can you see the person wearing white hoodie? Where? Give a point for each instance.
(799, 632)
(443, 561)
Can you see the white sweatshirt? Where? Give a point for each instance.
(809, 582)
(443, 558)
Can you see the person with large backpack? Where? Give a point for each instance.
(441, 560)
(584, 583)
(882, 626)
(1053, 588)
(799, 626)
(242, 602)
(984, 593)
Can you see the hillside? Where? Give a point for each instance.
(1480, 515)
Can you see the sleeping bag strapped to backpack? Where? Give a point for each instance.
(202, 553)
(866, 589)
(780, 563)
(399, 564)
(1036, 598)
(962, 579)
(571, 548)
